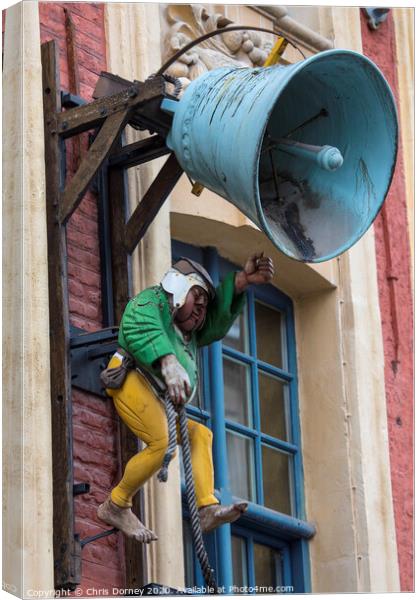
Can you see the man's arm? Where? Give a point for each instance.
(222, 312)
(230, 297)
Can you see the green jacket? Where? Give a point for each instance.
(147, 331)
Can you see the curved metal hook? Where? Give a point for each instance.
(190, 45)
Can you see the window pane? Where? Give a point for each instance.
(237, 387)
(239, 562)
(271, 336)
(241, 465)
(237, 336)
(268, 566)
(198, 399)
(277, 470)
(274, 406)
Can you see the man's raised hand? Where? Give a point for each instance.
(258, 269)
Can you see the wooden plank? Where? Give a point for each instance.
(135, 553)
(117, 215)
(91, 163)
(139, 152)
(74, 83)
(66, 572)
(82, 118)
(74, 80)
(151, 202)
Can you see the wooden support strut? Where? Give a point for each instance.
(82, 118)
(151, 202)
(94, 159)
(139, 152)
(66, 563)
(74, 79)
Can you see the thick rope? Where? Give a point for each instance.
(197, 534)
(170, 452)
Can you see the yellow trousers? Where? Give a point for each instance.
(144, 414)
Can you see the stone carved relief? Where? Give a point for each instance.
(189, 21)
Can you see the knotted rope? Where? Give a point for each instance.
(197, 534)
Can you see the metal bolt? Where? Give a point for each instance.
(102, 111)
(132, 92)
(64, 125)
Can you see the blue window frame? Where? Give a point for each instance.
(248, 397)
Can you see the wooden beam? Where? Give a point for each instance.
(66, 566)
(82, 118)
(135, 553)
(151, 202)
(91, 163)
(139, 152)
(74, 82)
(117, 215)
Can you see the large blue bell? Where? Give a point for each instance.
(306, 151)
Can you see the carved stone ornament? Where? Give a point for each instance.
(188, 22)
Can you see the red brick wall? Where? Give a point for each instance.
(95, 422)
(394, 279)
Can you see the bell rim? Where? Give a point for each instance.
(301, 65)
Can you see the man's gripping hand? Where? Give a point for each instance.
(176, 379)
(257, 269)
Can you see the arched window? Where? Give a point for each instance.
(248, 397)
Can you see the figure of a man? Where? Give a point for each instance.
(160, 333)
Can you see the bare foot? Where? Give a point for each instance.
(126, 521)
(214, 515)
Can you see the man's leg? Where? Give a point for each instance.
(144, 414)
(201, 439)
(211, 513)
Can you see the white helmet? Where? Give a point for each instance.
(184, 275)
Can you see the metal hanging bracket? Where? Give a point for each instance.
(89, 355)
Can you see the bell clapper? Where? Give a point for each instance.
(326, 157)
